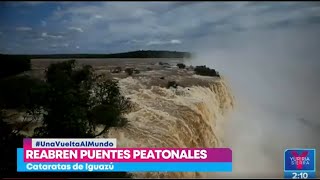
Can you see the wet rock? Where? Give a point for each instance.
(136, 71)
(181, 66)
(172, 84)
(117, 70)
(129, 71)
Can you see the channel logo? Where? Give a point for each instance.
(300, 162)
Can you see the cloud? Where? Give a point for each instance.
(159, 42)
(32, 3)
(36, 3)
(77, 47)
(76, 29)
(46, 35)
(174, 41)
(60, 45)
(166, 20)
(98, 16)
(122, 26)
(43, 23)
(39, 39)
(24, 29)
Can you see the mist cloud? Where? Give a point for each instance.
(274, 77)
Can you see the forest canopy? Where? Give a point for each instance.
(71, 102)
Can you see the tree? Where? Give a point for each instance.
(21, 92)
(66, 104)
(9, 143)
(107, 105)
(181, 66)
(73, 102)
(205, 71)
(11, 65)
(78, 101)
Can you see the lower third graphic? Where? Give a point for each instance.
(299, 163)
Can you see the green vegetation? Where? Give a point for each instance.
(10, 141)
(21, 92)
(72, 100)
(133, 54)
(12, 65)
(205, 71)
(73, 110)
(181, 66)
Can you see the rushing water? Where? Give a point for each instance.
(186, 117)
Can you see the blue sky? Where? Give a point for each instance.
(104, 27)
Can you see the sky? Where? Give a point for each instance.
(107, 27)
